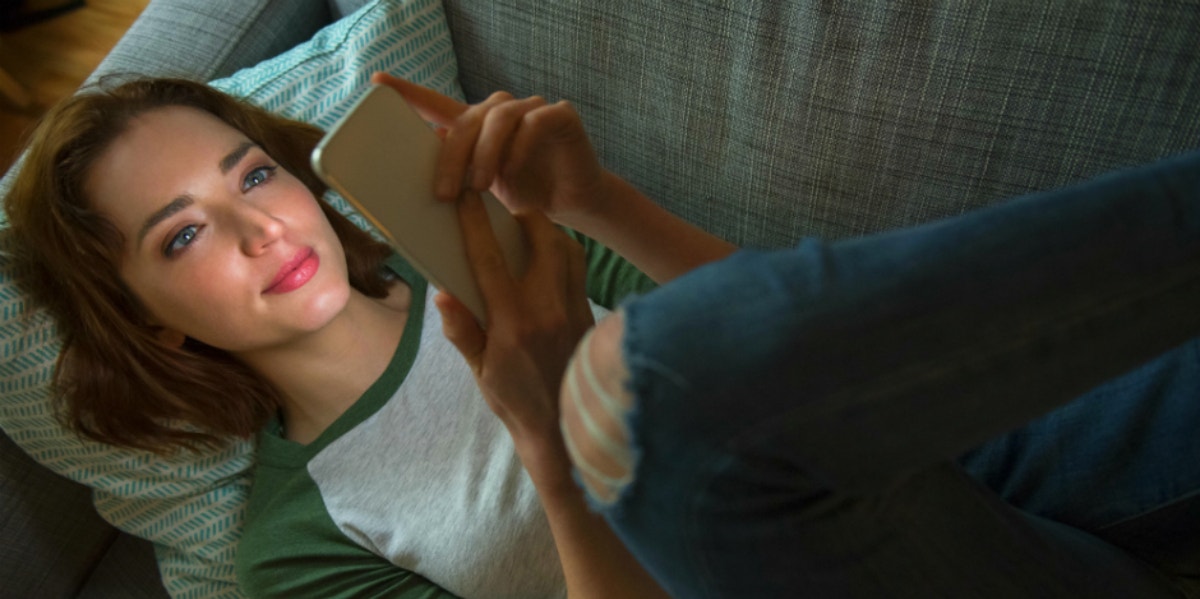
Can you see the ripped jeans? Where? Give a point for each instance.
(1002, 404)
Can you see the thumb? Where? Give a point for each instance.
(461, 329)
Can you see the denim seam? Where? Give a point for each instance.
(1191, 495)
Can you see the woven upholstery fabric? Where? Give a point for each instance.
(191, 504)
(226, 34)
(768, 121)
(36, 513)
(119, 572)
(345, 7)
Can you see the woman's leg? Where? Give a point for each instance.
(1122, 462)
(791, 415)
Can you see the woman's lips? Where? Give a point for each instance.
(295, 272)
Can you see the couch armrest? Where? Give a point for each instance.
(208, 40)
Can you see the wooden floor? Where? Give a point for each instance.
(49, 60)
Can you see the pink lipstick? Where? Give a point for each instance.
(295, 272)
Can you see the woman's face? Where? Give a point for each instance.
(221, 245)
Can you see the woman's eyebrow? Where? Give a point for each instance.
(162, 214)
(231, 159)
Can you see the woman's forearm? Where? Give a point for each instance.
(595, 562)
(659, 243)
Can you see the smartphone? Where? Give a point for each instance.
(381, 158)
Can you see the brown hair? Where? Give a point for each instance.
(115, 382)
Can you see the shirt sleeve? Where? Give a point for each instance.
(610, 277)
(291, 548)
(314, 576)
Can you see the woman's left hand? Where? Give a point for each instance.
(534, 322)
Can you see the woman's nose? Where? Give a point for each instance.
(258, 229)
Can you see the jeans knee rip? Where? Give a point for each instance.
(596, 410)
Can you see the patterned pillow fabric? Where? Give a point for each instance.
(190, 504)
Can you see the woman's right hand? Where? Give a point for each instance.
(532, 155)
(533, 324)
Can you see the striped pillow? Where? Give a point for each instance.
(190, 505)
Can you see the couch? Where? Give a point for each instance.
(761, 121)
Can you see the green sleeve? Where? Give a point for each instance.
(291, 548)
(611, 278)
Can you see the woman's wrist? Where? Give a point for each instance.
(656, 241)
(546, 461)
(602, 205)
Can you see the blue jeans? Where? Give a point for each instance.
(893, 416)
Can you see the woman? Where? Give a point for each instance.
(204, 290)
(792, 423)
(682, 411)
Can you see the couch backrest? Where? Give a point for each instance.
(768, 121)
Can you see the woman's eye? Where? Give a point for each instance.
(181, 240)
(258, 176)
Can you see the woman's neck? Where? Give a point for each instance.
(321, 375)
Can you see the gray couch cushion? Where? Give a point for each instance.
(126, 571)
(342, 8)
(767, 121)
(51, 536)
(214, 38)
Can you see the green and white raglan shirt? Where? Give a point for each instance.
(417, 480)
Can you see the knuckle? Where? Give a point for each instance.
(508, 112)
(491, 261)
(565, 106)
(538, 116)
(465, 124)
(527, 333)
(498, 97)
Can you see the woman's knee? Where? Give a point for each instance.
(595, 405)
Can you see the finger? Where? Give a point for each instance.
(557, 122)
(548, 268)
(577, 297)
(486, 258)
(546, 247)
(444, 113)
(431, 105)
(497, 132)
(461, 329)
(458, 146)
